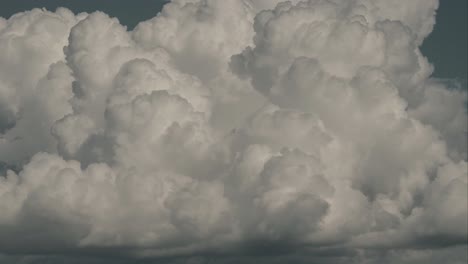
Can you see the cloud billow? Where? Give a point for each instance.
(239, 131)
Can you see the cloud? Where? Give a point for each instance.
(233, 131)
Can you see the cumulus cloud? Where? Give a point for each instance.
(240, 131)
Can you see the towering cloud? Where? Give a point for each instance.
(239, 131)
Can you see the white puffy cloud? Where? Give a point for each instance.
(199, 33)
(311, 132)
(30, 67)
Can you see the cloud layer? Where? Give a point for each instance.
(244, 131)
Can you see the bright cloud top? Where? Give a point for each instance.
(231, 127)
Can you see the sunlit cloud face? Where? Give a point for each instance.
(230, 131)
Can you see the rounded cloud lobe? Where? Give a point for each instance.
(244, 131)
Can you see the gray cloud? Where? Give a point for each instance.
(220, 132)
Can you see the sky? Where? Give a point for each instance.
(253, 131)
(447, 45)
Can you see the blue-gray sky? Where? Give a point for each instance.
(447, 45)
